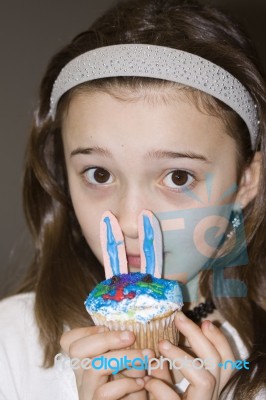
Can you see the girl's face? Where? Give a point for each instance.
(126, 156)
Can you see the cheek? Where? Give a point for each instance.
(189, 247)
(89, 221)
(221, 186)
(208, 234)
(88, 213)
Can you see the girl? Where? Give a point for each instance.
(168, 116)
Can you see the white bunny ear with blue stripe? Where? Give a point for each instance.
(113, 246)
(151, 244)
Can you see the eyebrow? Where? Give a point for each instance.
(161, 154)
(91, 150)
(155, 154)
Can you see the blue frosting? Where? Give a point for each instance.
(122, 288)
(112, 247)
(148, 246)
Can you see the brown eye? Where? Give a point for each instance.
(98, 176)
(178, 179)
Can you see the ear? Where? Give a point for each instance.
(249, 183)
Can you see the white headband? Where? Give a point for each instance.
(161, 63)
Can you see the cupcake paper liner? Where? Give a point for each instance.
(147, 335)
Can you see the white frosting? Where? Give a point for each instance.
(142, 308)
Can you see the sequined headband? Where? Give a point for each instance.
(161, 63)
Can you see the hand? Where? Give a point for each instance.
(93, 384)
(207, 342)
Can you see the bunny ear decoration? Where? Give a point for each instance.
(113, 246)
(151, 246)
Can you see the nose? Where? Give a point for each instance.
(130, 206)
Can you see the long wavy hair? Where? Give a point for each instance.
(64, 269)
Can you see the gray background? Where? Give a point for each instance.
(31, 32)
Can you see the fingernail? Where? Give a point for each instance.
(146, 352)
(147, 378)
(180, 316)
(139, 381)
(166, 345)
(125, 336)
(211, 326)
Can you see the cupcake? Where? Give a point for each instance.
(141, 302)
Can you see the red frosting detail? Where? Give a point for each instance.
(119, 294)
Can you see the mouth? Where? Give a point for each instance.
(133, 260)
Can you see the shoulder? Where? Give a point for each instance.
(261, 395)
(19, 330)
(17, 341)
(18, 300)
(233, 337)
(17, 312)
(22, 376)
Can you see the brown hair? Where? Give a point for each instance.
(64, 269)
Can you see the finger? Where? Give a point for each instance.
(133, 373)
(202, 381)
(114, 362)
(108, 364)
(78, 333)
(159, 389)
(116, 389)
(113, 246)
(150, 238)
(199, 343)
(140, 373)
(206, 391)
(205, 350)
(93, 345)
(142, 394)
(218, 339)
(160, 370)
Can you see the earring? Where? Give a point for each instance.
(236, 221)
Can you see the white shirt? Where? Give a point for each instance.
(21, 374)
